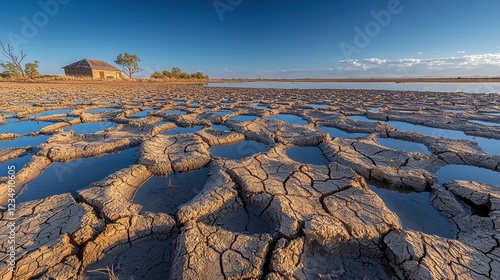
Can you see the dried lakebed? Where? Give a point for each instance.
(188, 182)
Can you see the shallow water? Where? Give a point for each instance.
(244, 118)
(452, 172)
(485, 123)
(23, 127)
(180, 129)
(361, 118)
(373, 108)
(221, 127)
(89, 128)
(17, 162)
(307, 155)
(142, 114)
(401, 145)
(238, 150)
(223, 112)
(165, 194)
(101, 110)
(10, 120)
(319, 106)
(25, 141)
(435, 87)
(75, 175)
(335, 132)
(52, 112)
(491, 146)
(240, 220)
(290, 119)
(415, 211)
(174, 112)
(455, 111)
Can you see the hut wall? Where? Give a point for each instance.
(106, 74)
(78, 72)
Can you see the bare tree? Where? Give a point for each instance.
(14, 62)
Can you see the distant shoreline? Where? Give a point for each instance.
(344, 80)
(366, 80)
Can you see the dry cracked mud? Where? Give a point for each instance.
(260, 216)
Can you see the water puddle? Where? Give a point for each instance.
(89, 128)
(452, 172)
(174, 112)
(142, 114)
(491, 146)
(262, 107)
(17, 162)
(191, 129)
(415, 210)
(455, 111)
(373, 108)
(307, 155)
(401, 145)
(338, 133)
(194, 104)
(10, 120)
(361, 118)
(166, 194)
(239, 150)
(290, 119)
(221, 127)
(240, 220)
(318, 106)
(25, 141)
(75, 175)
(23, 127)
(223, 112)
(485, 123)
(52, 112)
(244, 118)
(101, 110)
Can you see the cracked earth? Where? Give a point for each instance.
(263, 215)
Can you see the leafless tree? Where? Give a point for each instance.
(13, 62)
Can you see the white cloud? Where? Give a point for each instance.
(461, 52)
(419, 53)
(487, 65)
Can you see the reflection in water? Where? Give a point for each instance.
(401, 145)
(361, 118)
(192, 129)
(69, 177)
(238, 150)
(291, 119)
(491, 146)
(415, 210)
(307, 155)
(165, 194)
(23, 127)
(89, 128)
(452, 172)
(338, 133)
(434, 87)
(25, 141)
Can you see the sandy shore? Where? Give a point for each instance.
(304, 206)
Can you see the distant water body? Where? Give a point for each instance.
(433, 87)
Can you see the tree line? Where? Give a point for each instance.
(13, 66)
(177, 74)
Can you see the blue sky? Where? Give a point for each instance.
(259, 39)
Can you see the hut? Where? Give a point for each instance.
(95, 69)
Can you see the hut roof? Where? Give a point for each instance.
(92, 64)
